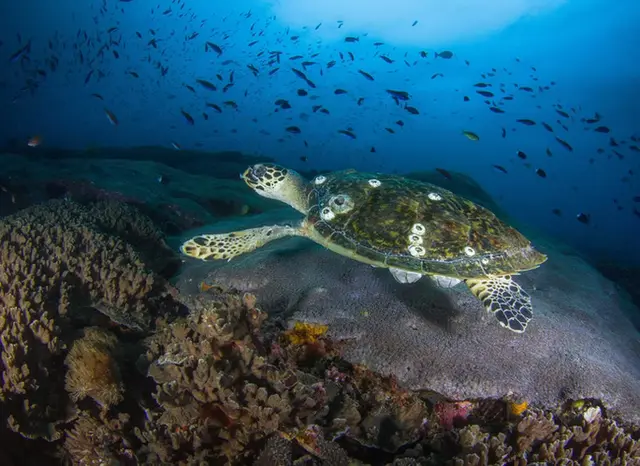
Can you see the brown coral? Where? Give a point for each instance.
(93, 370)
(97, 442)
(57, 263)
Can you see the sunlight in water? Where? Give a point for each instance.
(438, 22)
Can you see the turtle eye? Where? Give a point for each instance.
(339, 200)
(259, 171)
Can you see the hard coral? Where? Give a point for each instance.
(57, 261)
(93, 370)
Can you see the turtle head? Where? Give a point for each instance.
(279, 183)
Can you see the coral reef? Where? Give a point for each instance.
(62, 262)
(104, 363)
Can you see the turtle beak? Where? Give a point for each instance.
(249, 177)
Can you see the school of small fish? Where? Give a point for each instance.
(94, 51)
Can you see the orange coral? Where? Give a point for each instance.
(304, 333)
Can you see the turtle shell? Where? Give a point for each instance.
(392, 221)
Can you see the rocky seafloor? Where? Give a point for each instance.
(113, 351)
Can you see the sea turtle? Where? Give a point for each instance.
(411, 227)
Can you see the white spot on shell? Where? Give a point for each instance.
(415, 239)
(327, 214)
(341, 203)
(485, 261)
(320, 179)
(374, 183)
(435, 196)
(417, 251)
(418, 229)
(469, 251)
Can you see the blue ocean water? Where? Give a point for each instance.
(289, 76)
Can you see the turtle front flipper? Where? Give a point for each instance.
(229, 245)
(505, 299)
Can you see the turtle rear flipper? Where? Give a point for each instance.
(229, 245)
(505, 299)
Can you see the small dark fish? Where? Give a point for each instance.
(466, 99)
(526, 122)
(366, 75)
(373, 149)
(360, 100)
(400, 95)
(412, 110)
(207, 84)
(471, 135)
(389, 130)
(387, 59)
(339, 91)
(583, 218)
(602, 129)
(303, 158)
(444, 173)
(212, 46)
(205, 116)
(423, 54)
(504, 133)
(351, 39)
(400, 123)
(541, 173)
(414, 23)
(347, 133)
(187, 117)
(500, 168)
(97, 96)
(214, 106)
(565, 144)
(293, 129)
(273, 71)
(547, 127)
(111, 117)
(557, 212)
(134, 74)
(299, 74)
(525, 88)
(302, 92)
(485, 93)
(496, 109)
(563, 113)
(436, 75)
(549, 152)
(445, 54)
(521, 154)
(481, 85)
